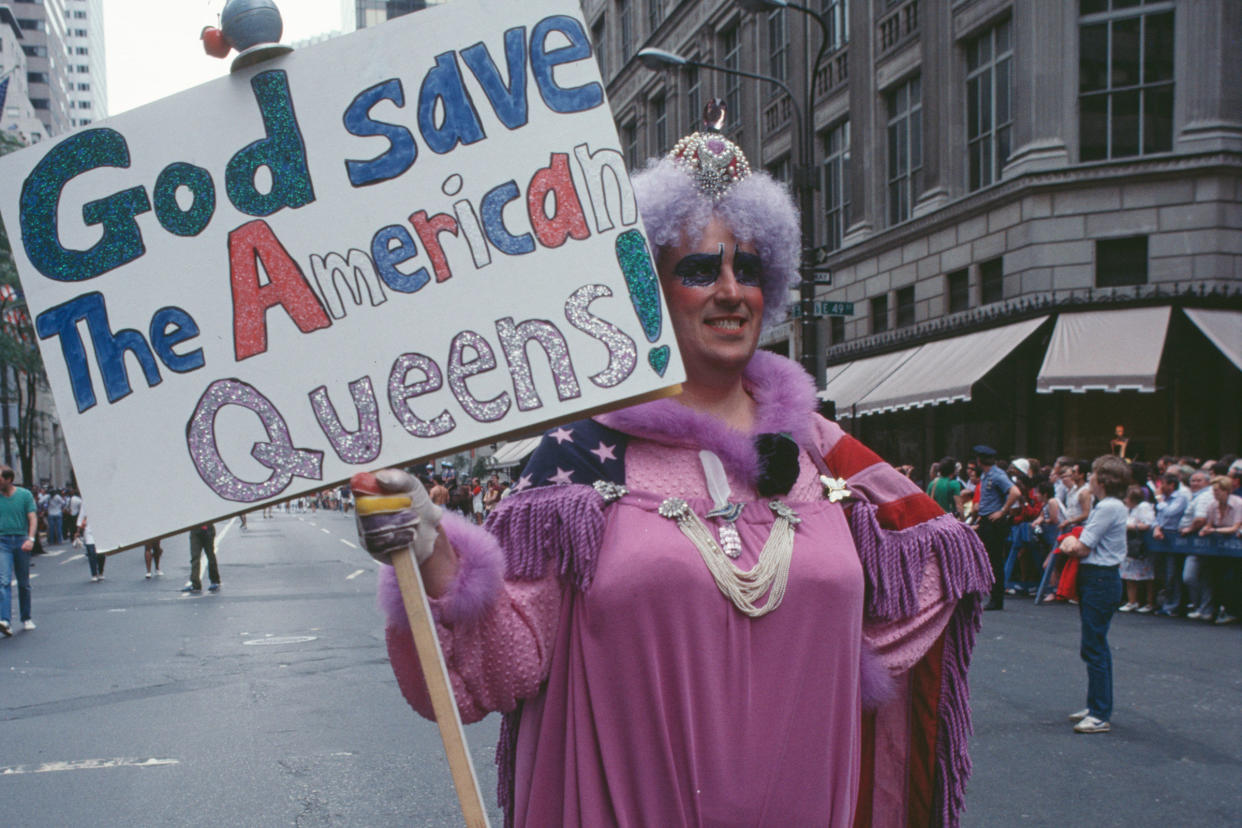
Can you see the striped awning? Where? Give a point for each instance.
(1105, 350)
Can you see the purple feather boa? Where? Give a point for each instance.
(474, 590)
(953, 764)
(786, 399)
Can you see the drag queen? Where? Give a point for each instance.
(712, 609)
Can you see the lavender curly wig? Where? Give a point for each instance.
(758, 209)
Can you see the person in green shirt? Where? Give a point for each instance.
(946, 489)
(17, 531)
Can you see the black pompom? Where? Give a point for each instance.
(778, 464)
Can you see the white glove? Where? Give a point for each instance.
(393, 511)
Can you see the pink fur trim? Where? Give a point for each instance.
(480, 578)
(786, 398)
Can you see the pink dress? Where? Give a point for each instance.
(639, 694)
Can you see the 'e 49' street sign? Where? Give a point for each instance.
(825, 309)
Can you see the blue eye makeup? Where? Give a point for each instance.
(703, 269)
(700, 269)
(747, 268)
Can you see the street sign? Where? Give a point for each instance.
(824, 309)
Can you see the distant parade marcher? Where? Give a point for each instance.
(18, 522)
(203, 542)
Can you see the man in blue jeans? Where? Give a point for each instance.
(1102, 547)
(18, 519)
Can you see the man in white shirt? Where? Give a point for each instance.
(55, 511)
(1194, 574)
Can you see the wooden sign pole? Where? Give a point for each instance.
(427, 644)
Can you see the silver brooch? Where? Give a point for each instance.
(674, 508)
(609, 491)
(730, 540)
(835, 488)
(784, 511)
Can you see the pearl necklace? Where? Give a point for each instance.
(770, 573)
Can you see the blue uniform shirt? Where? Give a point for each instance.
(996, 485)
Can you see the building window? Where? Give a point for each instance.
(694, 97)
(629, 137)
(32, 25)
(836, 184)
(731, 49)
(80, 50)
(879, 314)
(779, 169)
(84, 87)
(778, 49)
(35, 51)
(905, 148)
(989, 114)
(79, 32)
(1125, 78)
(992, 281)
(626, 12)
(40, 103)
(1121, 262)
(836, 13)
(599, 37)
(659, 123)
(905, 307)
(84, 104)
(655, 14)
(36, 77)
(958, 284)
(836, 330)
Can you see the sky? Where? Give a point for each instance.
(153, 49)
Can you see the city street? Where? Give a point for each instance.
(271, 703)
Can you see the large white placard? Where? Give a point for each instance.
(384, 247)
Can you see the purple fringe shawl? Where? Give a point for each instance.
(564, 522)
(894, 562)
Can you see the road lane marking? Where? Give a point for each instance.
(347, 543)
(354, 574)
(52, 553)
(325, 531)
(87, 764)
(279, 639)
(76, 557)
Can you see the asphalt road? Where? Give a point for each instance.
(271, 703)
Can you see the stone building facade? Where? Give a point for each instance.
(996, 181)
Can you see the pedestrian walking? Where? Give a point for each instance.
(203, 542)
(93, 558)
(151, 553)
(18, 522)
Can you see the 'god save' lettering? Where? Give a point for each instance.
(282, 151)
(443, 89)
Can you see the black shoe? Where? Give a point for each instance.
(992, 605)
(213, 588)
(191, 588)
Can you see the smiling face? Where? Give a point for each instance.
(715, 302)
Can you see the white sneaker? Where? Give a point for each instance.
(1146, 608)
(1080, 715)
(1091, 724)
(148, 576)
(28, 625)
(1194, 615)
(159, 572)
(94, 579)
(1130, 607)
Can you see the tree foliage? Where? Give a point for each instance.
(18, 346)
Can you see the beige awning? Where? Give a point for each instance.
(856, 380)
(1223, 327)
(510, 454)
(944, 371)
(1105, 350)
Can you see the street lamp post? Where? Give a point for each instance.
(805, 180)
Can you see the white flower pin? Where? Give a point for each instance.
(835, 488)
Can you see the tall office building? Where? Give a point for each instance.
(1032, 206)
(364, 13)
(86, 68)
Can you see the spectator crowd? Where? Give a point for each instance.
(1170, 504)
